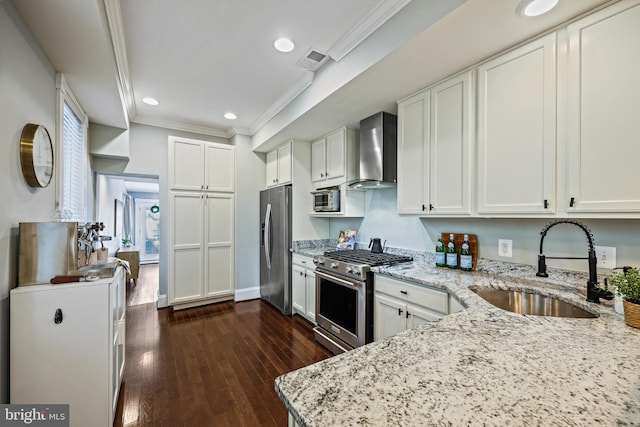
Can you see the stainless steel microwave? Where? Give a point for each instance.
(326, 199)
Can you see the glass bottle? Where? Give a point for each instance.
(440, 252)
(466, 255)
(452, 253)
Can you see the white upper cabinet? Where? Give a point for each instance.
(279, 165)
(219, 169)
(435, 134)
(413, 154)
(334, 158)
(517, 130)
(200, 165)
(603, 105)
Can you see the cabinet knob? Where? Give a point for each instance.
(57, 318)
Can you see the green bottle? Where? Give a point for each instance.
(466, 256)
(452, 253)
(440, 252)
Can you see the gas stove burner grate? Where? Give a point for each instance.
(363, 256)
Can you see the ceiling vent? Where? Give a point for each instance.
(312, 60)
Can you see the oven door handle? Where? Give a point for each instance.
(354, 284)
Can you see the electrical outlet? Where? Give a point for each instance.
(606, 257)
(505, 248)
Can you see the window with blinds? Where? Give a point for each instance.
(74, 155)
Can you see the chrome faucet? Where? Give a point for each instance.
(593, 291)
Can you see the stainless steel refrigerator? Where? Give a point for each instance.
(275, 247)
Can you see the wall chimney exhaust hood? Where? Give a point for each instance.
(378, 152)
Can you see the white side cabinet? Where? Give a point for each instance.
(400, 305)
(303, 278)
(435, 141)
(603, 104)
(334, 158)
(67, 346)
(200, 165)
(517, 130)
(279, 165)
(201, 217)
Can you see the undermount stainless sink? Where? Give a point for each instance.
(522, 302)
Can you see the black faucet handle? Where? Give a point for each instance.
(542, 266)
(625, 269)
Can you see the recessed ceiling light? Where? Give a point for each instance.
(150, 101)
(535, 7)
(283, 45)
(230, 116)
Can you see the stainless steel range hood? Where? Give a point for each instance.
(378, 152)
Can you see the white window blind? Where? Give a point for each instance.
(73, 164)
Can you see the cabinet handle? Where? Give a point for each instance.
(430, 207)
(408, 314)
(57, 318)
(321, 175)
(403, 292)
(546, 203)
(572, 202)
(202, 187)
(424, 208)
(207, 187)
(399, 312)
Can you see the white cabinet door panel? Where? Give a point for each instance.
(319, 160)
(336, 152)
(450, 139)
(311, 295)
(284, 163)
(604, 101)
(413, 131)
(517, 131)
(186, 165)
(298, 289)
(219, 169)
(390, 317)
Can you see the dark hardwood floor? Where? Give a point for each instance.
(210, 366)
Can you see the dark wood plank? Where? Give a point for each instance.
(211, 365)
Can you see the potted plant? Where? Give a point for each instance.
(627, 286)
(126, 242)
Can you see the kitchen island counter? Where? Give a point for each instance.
(480, 366)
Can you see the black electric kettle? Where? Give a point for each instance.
(375, 245)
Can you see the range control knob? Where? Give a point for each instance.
(357, 271)
(350, 270)
(334, 265)
(318, 261)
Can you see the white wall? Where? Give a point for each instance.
(108, 190)
(28, 88)
(411, 232)
(250, 179)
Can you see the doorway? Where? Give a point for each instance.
(147, 223)
(136, 219)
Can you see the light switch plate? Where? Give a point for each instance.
(505, 248)
(606, 257)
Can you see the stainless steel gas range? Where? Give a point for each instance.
(344, 297)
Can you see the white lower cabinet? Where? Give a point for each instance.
(303, 281)
(202, 248)
(400, 305)
(67, 346)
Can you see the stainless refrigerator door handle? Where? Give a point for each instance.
(267, 236)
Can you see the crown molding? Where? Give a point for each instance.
(116, 30)
(185, 127)
(369, 24)
(303, 82)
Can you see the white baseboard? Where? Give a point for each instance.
(247, 294)
(163, 301)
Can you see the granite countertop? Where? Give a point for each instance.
(482, 365)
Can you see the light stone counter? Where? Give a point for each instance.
(481, 366)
